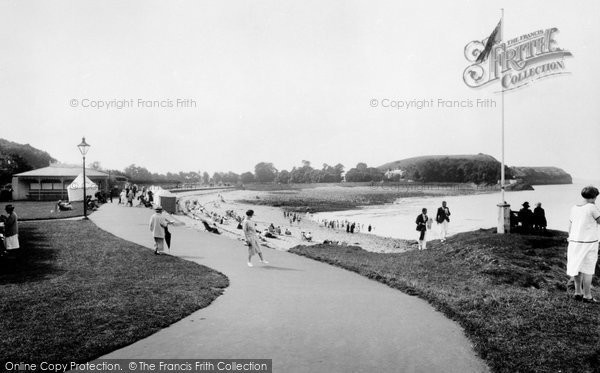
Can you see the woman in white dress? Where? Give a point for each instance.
(582, 253)
(252, 238)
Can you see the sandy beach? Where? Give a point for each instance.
(266, 215)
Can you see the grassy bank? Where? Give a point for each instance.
(338, 197)
(41, 210)
(507, 291)
(77, 292)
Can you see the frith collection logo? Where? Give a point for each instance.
(516, 62)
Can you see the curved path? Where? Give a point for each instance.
(305, 315)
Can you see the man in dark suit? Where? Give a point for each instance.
(443, 218)
(421, 221)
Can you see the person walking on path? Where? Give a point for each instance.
(251, 238)
(158, 225)
(422, 223)
(582, 252)
(443, 218)
(11, 228)
(130, 196)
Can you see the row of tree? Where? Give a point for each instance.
(433, 170)
(264, 172)
(16, 158)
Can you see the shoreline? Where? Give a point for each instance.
(236, 201)
(333, 198)
(380, 240)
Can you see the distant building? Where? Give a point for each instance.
(511, 181)
(50, 183)
(391, 173)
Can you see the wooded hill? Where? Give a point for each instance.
(16, 158)
(479, 168)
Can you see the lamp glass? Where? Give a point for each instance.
(84, 146)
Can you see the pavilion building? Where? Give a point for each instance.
(51, 183)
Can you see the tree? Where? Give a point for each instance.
(265, 172)
(302, 174)
(138, 174)
(361, 166)
(283, 177)
(231, 178)
(363, 173)
(205, 177)
(217, 178)
(247, 177)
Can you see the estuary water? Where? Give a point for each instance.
(469, 212)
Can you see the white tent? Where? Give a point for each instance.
(75, 190)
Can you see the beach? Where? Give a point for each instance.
(266, 215)
(392, 222)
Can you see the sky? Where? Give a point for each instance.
(242, 82)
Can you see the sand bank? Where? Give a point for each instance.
(221, 201)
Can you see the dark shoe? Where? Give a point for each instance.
(590, 300)
(578, 297)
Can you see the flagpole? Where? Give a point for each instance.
(503, 207)
(501, 76)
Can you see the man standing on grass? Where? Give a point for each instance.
(11, 228)
(443, 218)
(251, 238)
(158, 224)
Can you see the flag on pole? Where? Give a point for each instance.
(495, 37)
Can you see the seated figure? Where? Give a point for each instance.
(306, 236)
(63, 206)
(211, 229)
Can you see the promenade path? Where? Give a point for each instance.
(305, 315)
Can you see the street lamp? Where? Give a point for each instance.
(83, 148)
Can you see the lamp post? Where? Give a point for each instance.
(83, 148)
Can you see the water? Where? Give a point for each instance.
(468, 212)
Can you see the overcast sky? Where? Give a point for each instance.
(286, 81)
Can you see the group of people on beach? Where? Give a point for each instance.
(425, 224)
(349, 226)
(294, 217)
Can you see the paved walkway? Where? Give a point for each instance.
(305, 315)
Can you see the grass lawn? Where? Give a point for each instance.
(39, 210)
(77, 293)
(507, 291)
